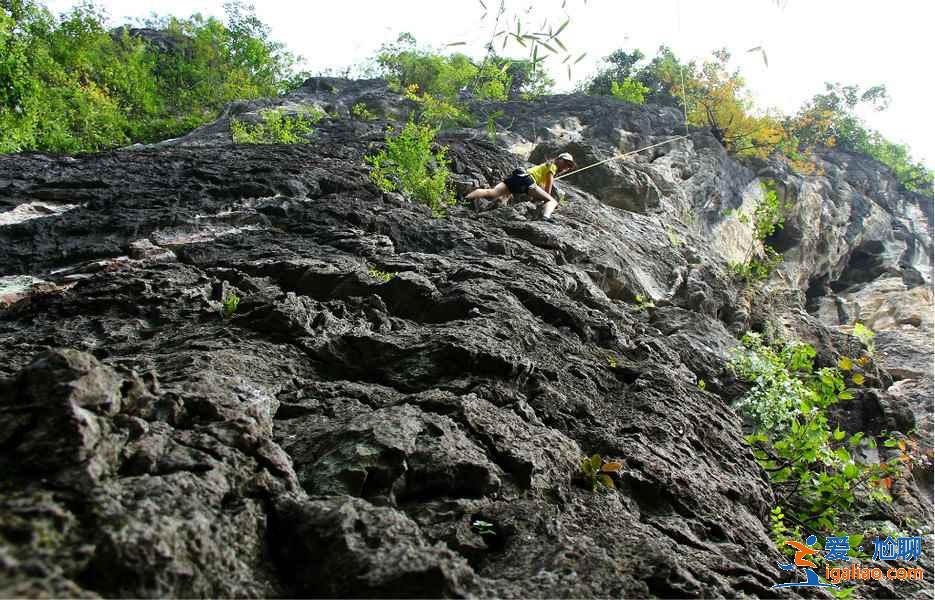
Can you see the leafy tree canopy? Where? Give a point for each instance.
(715, 96)
(68, 84)
(446, 76)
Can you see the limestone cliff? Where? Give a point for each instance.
(339, 433)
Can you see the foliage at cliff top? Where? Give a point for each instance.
(404, 63)
(716, 97)
(68, 84)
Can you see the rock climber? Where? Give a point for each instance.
(537, 182)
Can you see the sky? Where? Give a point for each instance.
(807, 42)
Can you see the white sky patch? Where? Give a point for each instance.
(865, 42)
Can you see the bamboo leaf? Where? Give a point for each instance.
(559, 43)
(547, 47)
(580, 58)
(566, 59)
(562, 27)
(456, 44)
(611, 467)
(484, 6)
(845, 364)
(608, 482)
(569, 72)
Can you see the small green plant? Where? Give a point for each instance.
(409, 165)
(491, 125)
(229, 304)
(379, 275)
(865, 335)
(361, 112)
(843, 593)
(482, 528)
(688, 216)
(778, 531)
(767, 215)
(702, 385)
(674, 238)
(276, 127)
(596, 472)
(612, 362)
(438, 112)
(761, 259)
(810, 464)
(643, 303)
(756, 269)
(629, 90)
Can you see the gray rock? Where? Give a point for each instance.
(340, 435)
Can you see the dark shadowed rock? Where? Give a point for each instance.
(341, 435)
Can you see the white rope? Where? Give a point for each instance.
(615, 157)
(678, 18)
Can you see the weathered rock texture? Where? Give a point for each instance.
(339, 433)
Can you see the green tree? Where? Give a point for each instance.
(830, 119)
(69, 84)
(619, 66)
(404, 64)
(629, 90)
(656, 75)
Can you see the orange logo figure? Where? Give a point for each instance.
(801, 551)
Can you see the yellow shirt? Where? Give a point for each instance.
(539, 172)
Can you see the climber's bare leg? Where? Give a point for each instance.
(495, 192)
(551, 203)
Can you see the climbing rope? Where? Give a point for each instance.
(678, 17)
(621, 155)
(678, 20)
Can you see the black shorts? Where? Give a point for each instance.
(519, 182)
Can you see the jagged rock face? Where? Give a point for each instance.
(339, 434)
